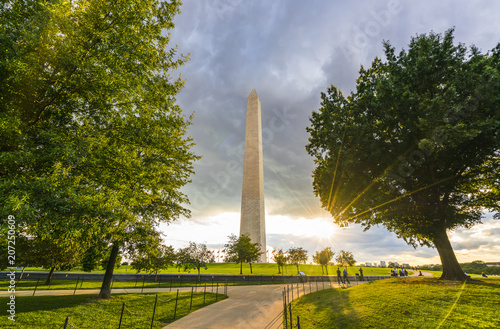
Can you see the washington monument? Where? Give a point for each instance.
(253, 221)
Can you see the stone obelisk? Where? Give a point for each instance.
(253, 220)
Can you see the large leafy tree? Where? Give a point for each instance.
(91, 139)
(415, 147)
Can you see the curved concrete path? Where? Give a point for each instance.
(257, 307)
(246, 307)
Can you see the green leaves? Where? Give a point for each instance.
(411, 148)
(92, 139)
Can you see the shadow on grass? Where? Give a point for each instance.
(331, 308)
(25, 304)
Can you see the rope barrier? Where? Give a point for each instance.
(147, 308)
(133, 312)
(165, 301)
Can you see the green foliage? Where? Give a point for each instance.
(415, 147)
(91, 258)
(241, 249)
(345, 258)
(195, 256)
(296, 256)
(105, 259)
(280, 258)
(155, 260)
(323, 258)
(93, 146)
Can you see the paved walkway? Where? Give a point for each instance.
(247, 307)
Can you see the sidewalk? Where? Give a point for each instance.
(257, 307)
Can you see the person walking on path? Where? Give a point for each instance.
(345, 276)
(361, 274)
(339, 278)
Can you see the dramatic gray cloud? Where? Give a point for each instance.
(291, 51)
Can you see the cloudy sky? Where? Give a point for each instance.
(290, 51)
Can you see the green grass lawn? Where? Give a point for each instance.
(82, 285)
(258, 269)
(403, 303)
(86, 312)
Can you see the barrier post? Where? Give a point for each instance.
(176, 299)
(217, 291)
(66, 322)
(154, 309)
(285, 316)
(77, 281)
(121, 316)
(191, 302)
(36, 287)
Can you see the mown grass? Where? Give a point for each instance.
(27, 284)
(215, 268)
(231, 269)
(86, 312)
(403, 303)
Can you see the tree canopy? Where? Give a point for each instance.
(241, 249)
(92, 142)
(196, 256)
(296, 256)
(280, 258)
(415, 147)
(323, 257)
(345, 258)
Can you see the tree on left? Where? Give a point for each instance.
(93, 146)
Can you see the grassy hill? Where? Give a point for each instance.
(403, 303)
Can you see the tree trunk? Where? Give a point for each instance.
(241, 268)
(49, 278)
(279, 269)
(326, 269)
(105, 292)
(451, 267)
(251, 268)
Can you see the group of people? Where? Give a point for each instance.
(342, 277)
(401, 272)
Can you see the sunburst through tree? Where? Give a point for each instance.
(415, 147)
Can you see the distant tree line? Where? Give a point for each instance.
(475, 267)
